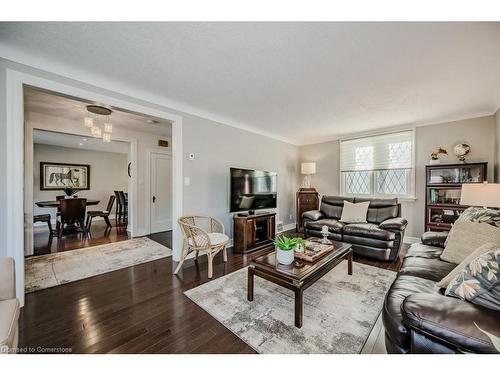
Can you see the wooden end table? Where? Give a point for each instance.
(297, 278)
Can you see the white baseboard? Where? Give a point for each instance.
(411, 240)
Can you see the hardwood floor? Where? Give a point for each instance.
(140, 309)
(43, 243)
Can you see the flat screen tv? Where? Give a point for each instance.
(252, 190)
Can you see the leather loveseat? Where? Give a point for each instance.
(419, 318)
(380, 237)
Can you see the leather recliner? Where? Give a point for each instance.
(419, 318)
(380, 237)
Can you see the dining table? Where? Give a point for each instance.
(55, 204)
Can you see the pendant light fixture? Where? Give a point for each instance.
(92, 123)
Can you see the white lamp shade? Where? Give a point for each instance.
(484, 195)
(308, 168)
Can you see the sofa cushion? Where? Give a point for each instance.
(332, 206)
(380, 209)
(424, 251)
(426, 268)
(333, 225)
(354, 212)
(437, 239)
(479, 281)
(9, 315)
(368, 230)
(458, 269)
(402, 287)
(465, 237)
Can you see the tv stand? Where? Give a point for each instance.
(253, 232)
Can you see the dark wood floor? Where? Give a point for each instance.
(140, 309)
(44, 243)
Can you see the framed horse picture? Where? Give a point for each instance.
(57, 176)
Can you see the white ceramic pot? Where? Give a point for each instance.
(434, 162)
(284, 256)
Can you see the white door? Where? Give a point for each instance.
(161, 192)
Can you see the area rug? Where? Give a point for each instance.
(339, 310)
(50, 270)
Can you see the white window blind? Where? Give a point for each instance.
(379, 165)
(381, 152)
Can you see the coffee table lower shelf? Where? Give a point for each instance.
(296, 278)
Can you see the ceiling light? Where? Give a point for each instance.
(106, 137)
(96, 131)
(108, 127)
(81, 144)
(84, 139)
(88, 121)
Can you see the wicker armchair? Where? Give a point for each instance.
(202, 234)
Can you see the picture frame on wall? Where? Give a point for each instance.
(57, 176)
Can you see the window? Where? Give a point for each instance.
(380, 165)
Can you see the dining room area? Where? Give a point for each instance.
(80, 196)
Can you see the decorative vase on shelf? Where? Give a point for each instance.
(434, 162)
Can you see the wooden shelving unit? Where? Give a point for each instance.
(442, 191)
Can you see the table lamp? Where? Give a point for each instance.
(483, 195)
(307, 169)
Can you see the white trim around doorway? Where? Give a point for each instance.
(15, 80)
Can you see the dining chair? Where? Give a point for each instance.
(72, 213)
(59, 198)
(44, 218)
(202, 234)
(122, 205)
(103, 214)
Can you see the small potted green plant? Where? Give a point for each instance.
(285, 249)
(69, 191)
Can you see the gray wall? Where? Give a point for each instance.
(478, 132)
(217, 148)
(108, 172)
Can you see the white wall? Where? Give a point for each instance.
(478, 132)
(108, 172)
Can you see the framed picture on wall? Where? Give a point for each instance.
(57, 176)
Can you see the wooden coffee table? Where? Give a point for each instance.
(297, 278)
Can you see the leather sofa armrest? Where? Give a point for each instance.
(313, 215)
(451, 321)
(7, 279)
(396, 223)
(436, 239)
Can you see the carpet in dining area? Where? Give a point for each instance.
(339, 310)
(50, 270)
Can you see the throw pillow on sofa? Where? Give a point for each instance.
(445, 281)
(479, 215)
(479, 281)
(354, 212)
(465, 237)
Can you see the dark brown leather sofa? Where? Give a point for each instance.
(380, 238)
(418, 318)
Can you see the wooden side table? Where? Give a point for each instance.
(307, 200)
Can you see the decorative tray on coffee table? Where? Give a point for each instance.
(314, 250)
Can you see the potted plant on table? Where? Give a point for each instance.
(69, 191)
(285, 247)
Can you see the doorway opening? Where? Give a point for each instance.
(86, 194)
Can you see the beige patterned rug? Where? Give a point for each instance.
(50, 270)
(339, 310)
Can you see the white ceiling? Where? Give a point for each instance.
(302, 82)
(74, 141)
(45, 103)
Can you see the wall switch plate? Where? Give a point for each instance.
(191, 156)
(187, 181)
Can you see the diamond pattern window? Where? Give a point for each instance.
(378, 166)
